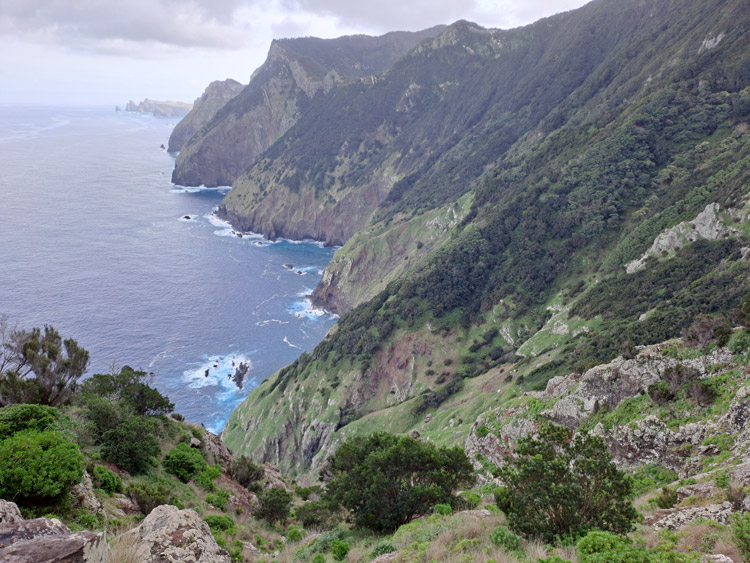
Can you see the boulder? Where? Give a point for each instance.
(215, 446)
(677, 518)
(85, 497)
(169, 534)
(9, 512)
(47, 540)
(195, 443)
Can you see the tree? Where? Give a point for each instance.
(386, 480)
(184, 462)
(274, 505)
(38, 367)
(560, 485)
(130, 387)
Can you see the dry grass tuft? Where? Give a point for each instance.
(123, 549)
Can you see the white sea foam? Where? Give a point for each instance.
(217, 371)
(286, 341)
(269, 321)
(177, 189)
(304, 308)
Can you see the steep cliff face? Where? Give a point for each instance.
(216, 96)
(295, 71)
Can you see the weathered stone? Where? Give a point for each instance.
(85, 497)
(718, 558)
(171, 535)
(677, 518)
(414, 434)
(216, 448)
(44, 540)
(9, 512)
(699, 490)
(195, 443)
(739, 411)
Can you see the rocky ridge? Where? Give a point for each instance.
(159, 108)
(216, 96)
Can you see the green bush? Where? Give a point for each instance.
(553, 559)
(183, 462)
(221, 524)
(274, 505)
(667, 498)
(589, 492)
(148, 495)
(597, 541)
(318, 514)
(741, 534)
(38, 466)
(382, 548)
(131, 444)
(246, 472)
(220, 500)
(339, 549)
(470, 500)
(503, 537)
(318, 558)
(129, 387)
(386, 480)
(17, 418)
(722, 480)
(107, 480)
(205, 478)
(294, 533)
(442, 509)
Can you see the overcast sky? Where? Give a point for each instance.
(80, 52)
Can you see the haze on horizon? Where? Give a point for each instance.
(96, 52)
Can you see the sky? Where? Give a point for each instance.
(100, 52)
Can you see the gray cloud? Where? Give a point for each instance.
(171, 22)
(388, 15)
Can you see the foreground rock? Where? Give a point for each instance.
(44, 540)
(171, 534)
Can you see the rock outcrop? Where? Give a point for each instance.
(708, 224)
(46, 540)
(171, 534)
(159, 109)
(205, 108)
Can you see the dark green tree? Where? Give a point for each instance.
(39, 366)
(184, 462)
(386, 480)
(130, 387)
(560, 484)
(274, 505)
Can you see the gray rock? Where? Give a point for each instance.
(414, 434)
(195, 443)
(217, 449)
(169, 534)
(85, 497)
(682, 516)
(699, 490)
(47, 540)
(9, 512)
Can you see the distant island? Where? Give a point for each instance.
(159, 109)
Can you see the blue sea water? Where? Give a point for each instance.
(96, 241)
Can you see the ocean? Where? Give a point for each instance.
(96, 241)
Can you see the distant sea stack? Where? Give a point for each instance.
(159, 109)
(204, 110)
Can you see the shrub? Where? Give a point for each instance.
(219, 500)
(129, 387)
(319, 513)
(741, 534)
(442, 509)
(131, 444)
(722, 480)
(184, 462)
(148, 495)
(386, 480)
(246, 472)
(339, 549)
(107, 480)
(589, 492)
(740, 343)
(667, 498)
(205, 478)
(470, 499)
(736, 495)
(706, 329)
(38, 466)
(318, 558)
(382, 548)
(293, 533)
(17, 418)
(274, 505)
(220, 523)
(660, 393)
(598, 541)
(503, 537)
